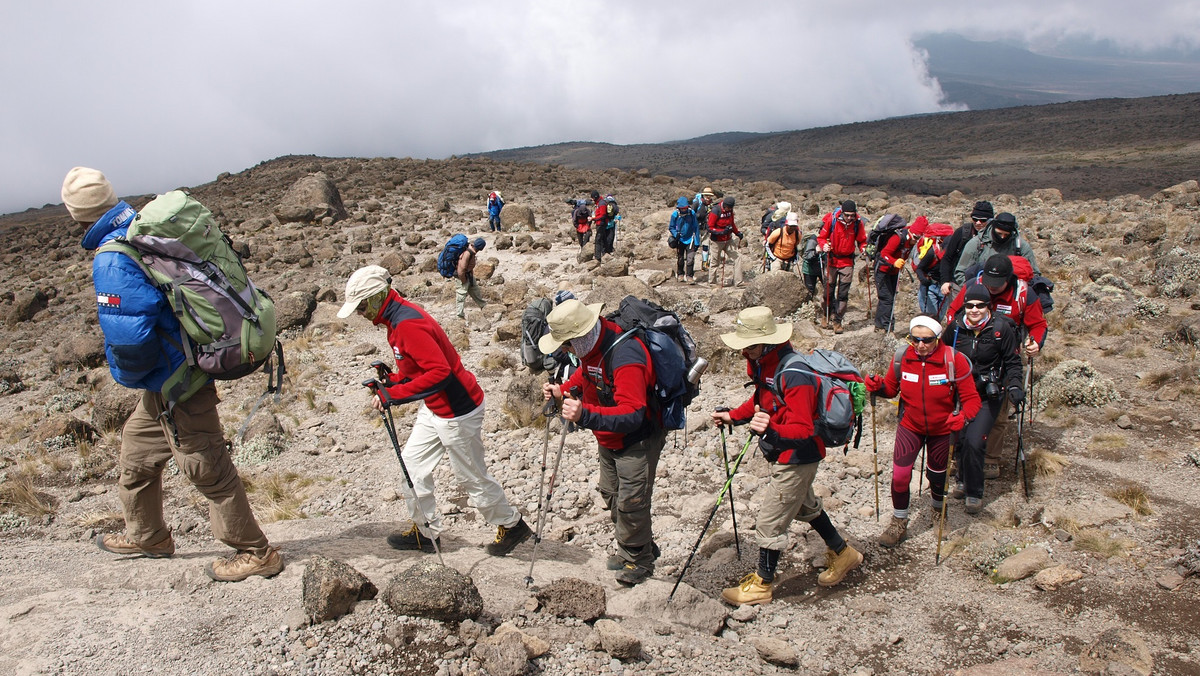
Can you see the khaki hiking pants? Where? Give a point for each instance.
(461, 291)
(718, 254)
(147, 443)
(626, 485)
(462, 439)
(789, 497)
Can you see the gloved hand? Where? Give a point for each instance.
(741, 235)
(873, 383)
(956, 421)
(1016, 395)
(899, 263)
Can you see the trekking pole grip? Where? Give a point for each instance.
(721, 409)
(376, 387)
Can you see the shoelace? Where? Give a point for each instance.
(501, 531)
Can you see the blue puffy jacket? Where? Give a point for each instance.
(684, 228)
(134, 314)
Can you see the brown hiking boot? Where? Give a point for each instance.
(825, 323)
(843, 563)
(241, 565)
(751, 591)
(991, 470)
(837, 326)
(119, 543)
(895, 532)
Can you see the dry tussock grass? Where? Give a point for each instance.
(279, 496)
(1096, 541)
(1106, 442)
(1047, 464)
(18, 496)
(1133, 496)
(104, 521)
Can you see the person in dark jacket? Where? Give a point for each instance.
(580, 218)
(685, 230)
(614, 379)
(449, 419)
(888, 264)
(933, 381)
(603, 228)
(980, 216)
(138, 325)
(789, 442)
(992, 343)
(999, 237)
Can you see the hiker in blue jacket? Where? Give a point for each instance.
(494, 204)
(139, 327)
(685, 230)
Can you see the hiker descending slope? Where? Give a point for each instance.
(784, 242)
(140, 342)
(790, 443)
(494, 204)
(937, 398)
(449, 419)
(843, 234)
(629, 433)
(721, 231)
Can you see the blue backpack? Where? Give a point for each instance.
(447, 262)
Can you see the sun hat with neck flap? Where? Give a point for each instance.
(570, 319)
(756, 326)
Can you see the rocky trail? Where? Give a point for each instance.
(1094, 573)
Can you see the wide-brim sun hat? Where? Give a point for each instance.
(364, 283)
(570, 319)
(781, 210)
(756, 326)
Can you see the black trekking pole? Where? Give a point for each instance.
(720, 497)
(1021, 467)
(544, 498)
(737, 540)
(828, 292)
(875, 449)
(1029, 391)
(390, 425)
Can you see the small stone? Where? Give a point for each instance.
(1124, 422)
(1170, 580)
(1050, 579)
(744, 613)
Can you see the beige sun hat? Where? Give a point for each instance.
(781, 210)
(364, 283)
(570, 319)
(756, 326)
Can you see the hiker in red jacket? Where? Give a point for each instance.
(937, 398)
(721, 231)
(843, 234)
(888, 264)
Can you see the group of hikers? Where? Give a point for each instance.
(954, 381)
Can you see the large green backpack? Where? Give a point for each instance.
(227, 325)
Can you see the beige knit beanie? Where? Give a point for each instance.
(87, 194)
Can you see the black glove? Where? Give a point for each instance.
(1016, 395)
(741, 235)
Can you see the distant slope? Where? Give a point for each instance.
(1085, 148)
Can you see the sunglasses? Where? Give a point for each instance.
(975, 305)
(980, 220)
(913, 340)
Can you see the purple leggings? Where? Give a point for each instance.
(904, 456)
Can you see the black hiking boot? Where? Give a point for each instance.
(412, 540)
(507, 538)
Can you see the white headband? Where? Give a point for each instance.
(926, 321)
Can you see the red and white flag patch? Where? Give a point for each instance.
(108, 300)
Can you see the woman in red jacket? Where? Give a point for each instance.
(937, 398)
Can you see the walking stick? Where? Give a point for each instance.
(737, 540)
(720, 497)
(1029, 391)
(875, 449)
(390, 425)
(828, 293)
(544, 498)
(1021, 468)
(921, 476)
(937, 557)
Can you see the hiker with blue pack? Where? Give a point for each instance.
(494, 204)
(784, 410)
(616, 376)
(683, 235)
(149, 350)
(457, 262)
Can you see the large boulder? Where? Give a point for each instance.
(311, 198)
(331, 588)
(113, 405)
(781, 291)
(689, 607)
(429, 589)
(517, 215)
(294, 310)
(85, 351)
(572, 597)
(26, 305)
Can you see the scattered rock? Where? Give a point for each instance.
(294, 310)
(83, 351)
(1117, 651)
(26, 305)
(429, 589)
(689, 607)
(775, 651)
(1023, 564)
(618, 642)
(311, 198)
(572, 597)
(331, 588)
(113, 405)
(1124, 422)
(1170, 580)
(502, 654)
(1049, 579)
(534, 647)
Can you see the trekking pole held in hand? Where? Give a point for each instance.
(390, 425)
(544, 497)
(382, 370)
(737, 540)
(1021, 467)
(720, 497)
(875, 449)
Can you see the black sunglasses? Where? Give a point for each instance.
(914, 340)
(975, 305)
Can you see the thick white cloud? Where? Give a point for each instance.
(161, 94)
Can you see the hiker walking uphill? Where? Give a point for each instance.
(702, 205)
(721, 231)
(937, 398)
(629, 434)
(889, 261)
(464, 278)
(1015, 299)
(142, 344)
(981, 215)
(604, 224)
(784, 242)
(494, 204)
(581, 219)
(927, 259)
(991, 343)
(789, 442)
(999, 237)
(449, 419)
(843, 234)
(683, 232)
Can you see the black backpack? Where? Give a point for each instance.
(533, 327)
(888, 226)
(672, 352)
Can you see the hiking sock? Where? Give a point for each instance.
(824, 527)
(768, 559)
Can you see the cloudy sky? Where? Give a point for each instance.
(162, 94)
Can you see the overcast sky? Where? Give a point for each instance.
(163, 94)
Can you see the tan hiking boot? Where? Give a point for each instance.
(751, 591)
(825, 323)
(895, 532)
(830, 555)
(241, 565)
(119, 543)
(843, 563)
(837, 326)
